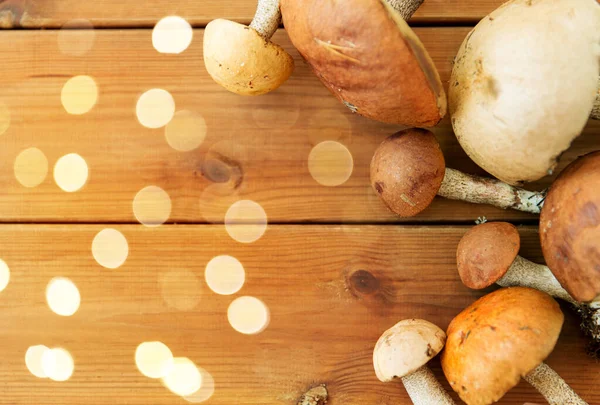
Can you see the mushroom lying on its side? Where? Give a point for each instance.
(365, 53)
(488, 254)
(243, 59)
(524, 84)
(501, 338)
(403, 352)
(408, 171)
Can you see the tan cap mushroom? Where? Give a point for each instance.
(500, 338)
(242, 59)
(403, 352)
(368, 57)
(408, 170)
(524, 83)
(570, 228)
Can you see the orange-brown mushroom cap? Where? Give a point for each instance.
(486, 252)
(497, 340)
(369, 58)
(407, 171)
(570, 228)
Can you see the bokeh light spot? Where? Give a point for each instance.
(248, 315)
(154, 359)
(58, 364)
(155, 108)
(152, 206)
(71, 172)
(186, 131)
(4, 275)
(225, 275)
(33, 360)
(76, 37)
(246, 221)
(79, 95)
(110, 248)
(172, 34)
(63, 296)
(180, 289)
(330, 163)
(207, 388)
(31, 167)
(184, 379)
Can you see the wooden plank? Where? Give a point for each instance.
(264, 142)
(117, 13)
(323, 324)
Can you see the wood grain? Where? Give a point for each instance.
(332, 290)
(260, 144)
(117, 13)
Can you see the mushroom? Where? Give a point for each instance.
(403, 352)
(408, 170)
(368, 57)
(524, 83)
(488, 254)
(242, 59)
(501, 338)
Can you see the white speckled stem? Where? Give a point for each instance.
(424, 389)
(529, 274)
(406, 8)
(552, 387)
(596, 111)
(267, 18)
(481, 190)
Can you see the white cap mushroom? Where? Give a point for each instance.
(524, 84)
(403, 352)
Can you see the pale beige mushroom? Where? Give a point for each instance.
(403, 352)
(242, 59)
(524, 84)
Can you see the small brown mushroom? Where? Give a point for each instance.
(368, 57)
(501, 338)
(408, 170)
(242, 59)
(488, 254)
(403, 352)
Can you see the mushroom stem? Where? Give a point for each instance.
(460, 186)
(596, 110)
(267, 18)
(552, 386)
(406, 8)
(424, 389)
(529, 274)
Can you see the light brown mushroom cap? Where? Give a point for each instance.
(242, 61)
(570, 228)
(497, 340)
(486, 252)
(523, 85)
(406, 347)
(369, 58)
(407, 171)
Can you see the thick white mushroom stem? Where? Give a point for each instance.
(596, 110)
(424, 389)
(481, 190)
(552, 387)
(267, 18)
(406, 8)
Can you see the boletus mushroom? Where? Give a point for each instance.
(368, 57)
(489, 253)
(243, 59)
(524, 83)
(501, 338)
(408, 170)
(403, 352)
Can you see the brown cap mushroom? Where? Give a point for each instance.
(243, 59)
(524, 83)
(408, 170)
(368, 57)
(570, 228)
(500, 338)
(403, 352)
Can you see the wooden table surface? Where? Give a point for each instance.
(334, 267)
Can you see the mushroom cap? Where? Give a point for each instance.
(242, 61)
(486, 252)
(523, 85)
(407, 171)
(406, 347)
(376, 66)
(497, 340)
(570, 228)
